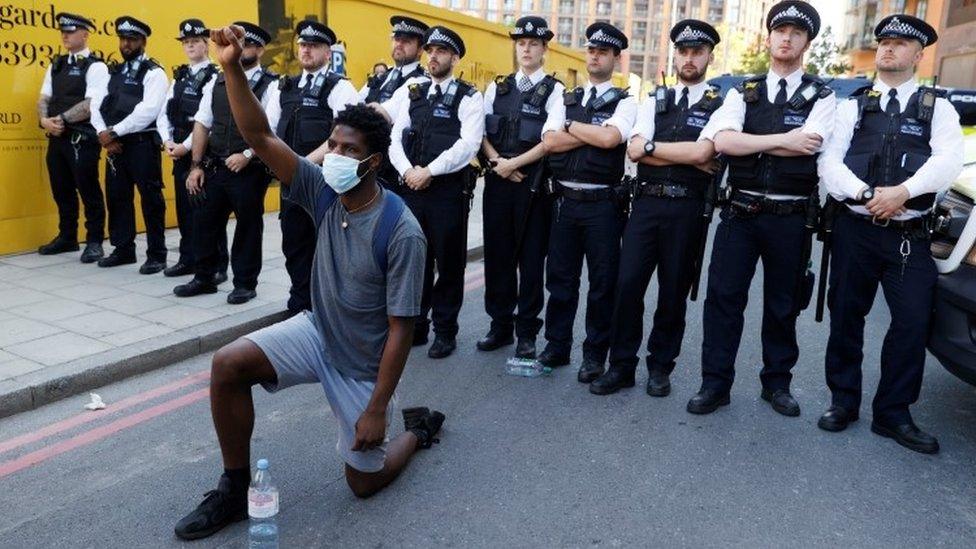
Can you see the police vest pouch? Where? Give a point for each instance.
(493, 125)
(912, 162)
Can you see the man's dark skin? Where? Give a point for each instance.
(130, 47)
(241, 364)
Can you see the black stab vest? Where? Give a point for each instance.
(674, 126)
(225, 138)
(769, 174)
(306, 118)
(125, 91)
(589, 164)
(886, 149)
(516, 123)
(378, 92)
(187, 93)
(434, 124)
(68, 85)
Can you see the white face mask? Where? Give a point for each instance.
(342, 172)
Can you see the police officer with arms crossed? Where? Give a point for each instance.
(302, 118)
(233, 181)
(64, 109)
(586, 136)
(517, 212)
(407, 44)
(894, 146)
(124, 115)
(436, 135)
(771, 128)
(175, 126)
(675, 168)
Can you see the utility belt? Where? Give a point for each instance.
(666, 190)
(588, 195)
(916, 228)
(141, 137)
(746, 205)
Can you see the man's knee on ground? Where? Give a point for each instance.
(230, 365)
(364, 485)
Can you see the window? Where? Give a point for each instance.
(509, 5)
(474, 4)
(566, 6)
(603, 8)
(923, 6)
(456, 4)
(526, 5)
(546, 6)
(565, 26)
(508, 19)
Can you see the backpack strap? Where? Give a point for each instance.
(393, 207)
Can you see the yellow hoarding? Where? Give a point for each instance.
(29, 38)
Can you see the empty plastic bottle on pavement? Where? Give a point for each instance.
(525, 367)
(262, 508)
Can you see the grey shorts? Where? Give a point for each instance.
(295, 350)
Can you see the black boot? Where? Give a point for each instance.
(195, 287)
(117, 258)
(93, 252)
(836, 419)
(239, 296)
(152, 266)
(707, 401)
(782, 401)
(494, 340)
(180, 269)
(908, 435)
(589, 370)
(442, 347)
(658, 384)
(612, 381)
(59, 245)
(552, 358)
(525, 347)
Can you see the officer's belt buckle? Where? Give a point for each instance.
(874, 221)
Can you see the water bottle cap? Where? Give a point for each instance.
(262, 463)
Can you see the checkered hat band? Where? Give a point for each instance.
(404, 27)
(602, 37)
(127, 26)
(438, 36)
(900, 28)
(690, 34)
(793, 13)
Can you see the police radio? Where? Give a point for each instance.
(926, 104)
(804, 96)
(661, 96)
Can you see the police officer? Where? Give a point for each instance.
(229, 179)
(771, 128)
(436, 135)
(302, 118)
(407, 45)
(175, 126)
(586, 136)
(517, 210)
(674, 173)
(124, 115)
(895, 145)
(72, 152)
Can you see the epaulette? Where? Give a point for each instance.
(755, 80)
(180, 71)
(414, 91)
(572, 97)
(501, 85)
(470, 90)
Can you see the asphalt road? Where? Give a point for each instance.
(522, 462)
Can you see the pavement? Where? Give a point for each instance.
(66, 327)
(521, 462)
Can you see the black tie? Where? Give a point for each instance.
(781, 95)
(394, 75)
(71, 59)
(438, 94)
(894, 107)
(308, 83)
(592, 97)
(683, 102)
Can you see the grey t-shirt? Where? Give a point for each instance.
(351, 299)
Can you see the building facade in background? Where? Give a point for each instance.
(646, 23)
(955, 58)
(863, 15)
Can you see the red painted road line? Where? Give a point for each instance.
(98, 433)
(87, 417)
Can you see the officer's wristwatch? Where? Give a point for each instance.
(567, 124)
(248, 153)
(649, 148)
(867, 194)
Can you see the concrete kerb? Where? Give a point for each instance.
(64, 380)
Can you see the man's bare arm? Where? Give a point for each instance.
(394, 358)
(665, 154)
(248, 113)
(318, 155)
(42, 104)
(201, 138)
(560, 142)
(792, 143)
(78, 112)
(604, 137)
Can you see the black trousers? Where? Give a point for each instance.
(185, 218)
(662, 234)
(864, 256)
(590, 231)
(516, 233)
(740, 243)
(138, 166)
(298, 237)
(442, 210)
(242, 194)
(73, 169)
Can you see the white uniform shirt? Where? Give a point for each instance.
(472, 115)
(96, 77)
(145, 113)
(400, 98)
(556, 96)
(405, 69)
(205, 112)
(163, 125)
(647, 111)
(938, 172)
(624, 115)
(343, 94)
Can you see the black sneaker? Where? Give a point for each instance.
(221, 507)
(423, 423)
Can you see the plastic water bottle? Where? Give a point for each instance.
(262, 508)
(525, 367)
